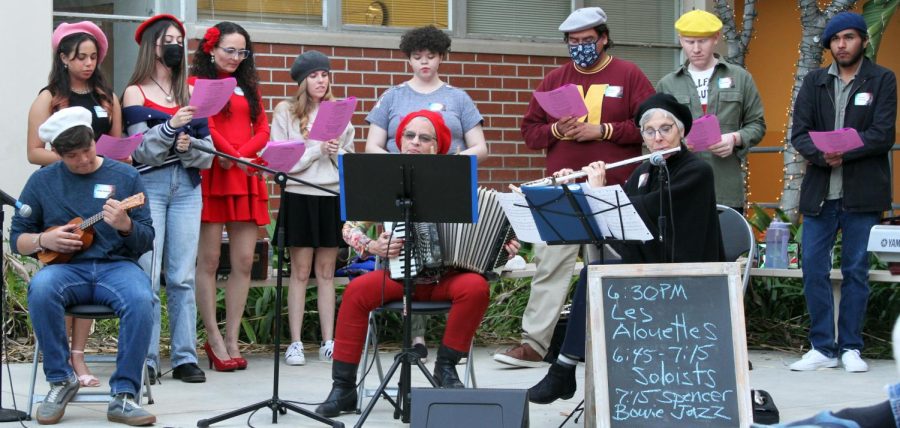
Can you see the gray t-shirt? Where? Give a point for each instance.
(458, 110)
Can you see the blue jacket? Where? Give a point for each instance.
(866, 171)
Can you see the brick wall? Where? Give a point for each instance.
(500, 85)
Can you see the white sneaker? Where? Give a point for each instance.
(814, 360)
(853, 363)
(326, 350)
(294, 355)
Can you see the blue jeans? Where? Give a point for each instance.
(121, 285)
(175, 205)
(819, 234)
(576, 325)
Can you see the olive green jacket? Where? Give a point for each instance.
(734, 100)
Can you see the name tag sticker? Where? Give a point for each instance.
(238, 91)
(863, 99)
(104, 191)
(725, 83)
(614, 91)
(436, 107)
(100, 112)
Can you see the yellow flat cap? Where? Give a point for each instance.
(698, 23)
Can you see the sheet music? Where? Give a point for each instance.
(602, 200)
(519, 215)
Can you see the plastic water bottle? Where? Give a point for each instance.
(776, 245)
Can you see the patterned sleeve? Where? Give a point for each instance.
(354, 233)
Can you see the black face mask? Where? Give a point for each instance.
(172, 54)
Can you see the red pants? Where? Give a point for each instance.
(468, 292)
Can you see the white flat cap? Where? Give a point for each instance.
(582, 19)
(62, 120)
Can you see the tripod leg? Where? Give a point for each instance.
(203, 423)
(428, 375)
(283, 406)
(379, 392)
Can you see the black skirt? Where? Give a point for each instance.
(312, 221)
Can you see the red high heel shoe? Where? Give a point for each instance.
(228, 365)
(241, 363)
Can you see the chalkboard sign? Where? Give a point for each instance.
(667, 346)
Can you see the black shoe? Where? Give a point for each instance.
(421, 351)
(189, 372)
(152, 375)
(445, 368)
(342, 397)
(558, 383)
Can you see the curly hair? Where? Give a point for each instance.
(601, 30)
(247, 79)
(428, 38)
(60, 85)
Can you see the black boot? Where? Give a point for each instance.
(559, 383)
(445, 368)
(342, 397)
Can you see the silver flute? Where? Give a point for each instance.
(552, 181)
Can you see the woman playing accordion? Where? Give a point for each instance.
(419, 132)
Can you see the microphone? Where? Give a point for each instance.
(23, 209)
(657, 159)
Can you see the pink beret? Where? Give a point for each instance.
(89, 27)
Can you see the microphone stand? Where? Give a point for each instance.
(661, 221)
(275, 403)
(6, 415)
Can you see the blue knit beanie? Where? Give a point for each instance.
(843, 21)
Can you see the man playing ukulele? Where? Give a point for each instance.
(102, 272)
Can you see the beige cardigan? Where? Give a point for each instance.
(312, 167)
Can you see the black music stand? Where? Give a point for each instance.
(409, 188)
(564, 217)
(6, 415)
(276, 404)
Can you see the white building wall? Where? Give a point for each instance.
(26, 26)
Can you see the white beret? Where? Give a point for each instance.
(582, 19)
(62, 120)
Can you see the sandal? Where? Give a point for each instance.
(87, 380)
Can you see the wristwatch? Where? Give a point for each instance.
(36, 241)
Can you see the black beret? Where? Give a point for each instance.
(669, 104)
(307, 63)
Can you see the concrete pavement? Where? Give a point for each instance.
(178, 404)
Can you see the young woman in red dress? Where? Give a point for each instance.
(234, 197)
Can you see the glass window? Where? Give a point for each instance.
(304, 12)
(643, 22)
(396, 13)
(527, 18)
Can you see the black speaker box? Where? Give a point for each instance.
(469, 408)
(260, 269)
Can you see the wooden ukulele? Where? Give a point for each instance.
(85, 231)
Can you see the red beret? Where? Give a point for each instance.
(151, 20)
(442, 132)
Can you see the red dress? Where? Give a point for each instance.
(230, 195)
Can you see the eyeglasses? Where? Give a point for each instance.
(664, 131)
(235, 53)
(423, 138)
(574, 42)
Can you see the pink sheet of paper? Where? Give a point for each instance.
(562, 101)
(118, 148)
(283, 155)
(705, 131)
(210, 95)
(837, 141)
(332, 119)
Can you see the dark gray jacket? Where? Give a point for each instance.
(866, 171)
